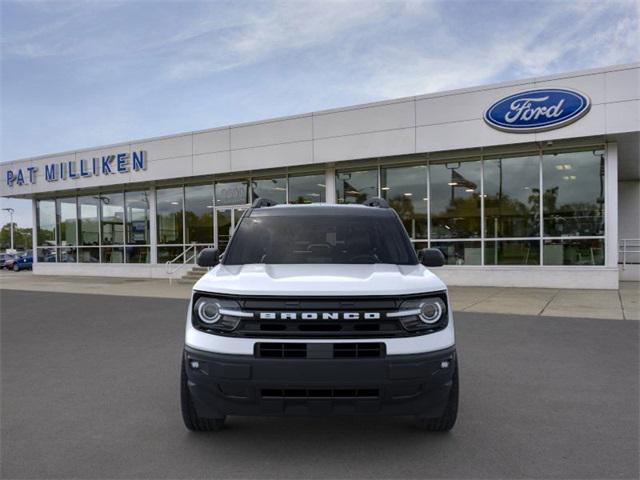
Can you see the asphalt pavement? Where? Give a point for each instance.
(90, 390)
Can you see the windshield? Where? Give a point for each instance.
(344, 239)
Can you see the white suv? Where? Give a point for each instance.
(319, 310)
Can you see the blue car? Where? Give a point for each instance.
(23, 262)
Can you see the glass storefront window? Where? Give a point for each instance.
(46, 218)
(88, 226)
(573, 252)
(112, 254)
(166, 254)
(112, 218)
(67, 221)
(307, 188)
(512, 252)
(137, 254)
(89, 255)
(47, 254)
(272, 188)
(198, 213)
(356, 187)
(232, 193)
(67, 254)
(405, 188)
(169, 208)
(137, 218)
(512, 197)
(455, 199)
(573, 198)
(460, 253)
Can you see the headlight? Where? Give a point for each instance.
(216, 314)
(208, 310)
(431, 310)
(420, 314)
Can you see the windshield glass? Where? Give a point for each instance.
(345, 239)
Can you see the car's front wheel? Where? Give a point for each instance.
(191, 419)
(16, 268)
(447, 420)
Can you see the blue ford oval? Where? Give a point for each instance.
(537, 110)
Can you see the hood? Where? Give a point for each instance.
(319, 280)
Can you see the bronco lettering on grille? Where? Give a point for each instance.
(319, 316)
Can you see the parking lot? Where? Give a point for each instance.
(90, 390)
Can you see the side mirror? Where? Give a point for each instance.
(431, 257)
(208, 257)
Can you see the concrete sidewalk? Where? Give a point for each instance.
(623, 304)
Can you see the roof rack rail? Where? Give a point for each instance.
(376, 202)
(263, 202)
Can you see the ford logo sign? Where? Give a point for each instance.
(537, 110)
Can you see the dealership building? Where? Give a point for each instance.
(529, 183)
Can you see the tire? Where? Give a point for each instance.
(16, 268)
(445, 422)
(191, 419)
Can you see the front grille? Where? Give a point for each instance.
(319, 393)
(320, 350)
(382, 328)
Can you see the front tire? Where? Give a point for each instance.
(447, 420)
(16, 268)
(191, 419)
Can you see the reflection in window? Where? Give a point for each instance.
(272, 188)
(405, 188)
(573, 252)
(169, 207)
(166, 254)
(137, 218)
(88, 221)
(46, 217)
(307, 188)
(356, 187)
(232, 193)
(47, 255)
(573, 198)
(67, 213)
(460, 253)
(198, 213)
(137, 254)
(89, 255)
(512, 197)
(455, 200)
(512, 252)
(112, 217)
(67, 254)
(112, 255)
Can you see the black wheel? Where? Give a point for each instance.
(445, 422)
(16, 268)
(191, 419)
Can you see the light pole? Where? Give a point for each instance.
(11, 212)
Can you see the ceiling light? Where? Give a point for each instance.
(385, 188)
(322, 185)
(408, 194)
(567, 166)
(469, 190)
(175, 203)
(425, 198)
(559, 167)
(452, 184)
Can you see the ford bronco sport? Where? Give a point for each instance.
(319, 310)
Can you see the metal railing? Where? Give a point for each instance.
(628, 248)
(188, 256)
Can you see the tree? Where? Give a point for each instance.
(21, 237)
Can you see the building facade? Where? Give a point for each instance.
(525, 183)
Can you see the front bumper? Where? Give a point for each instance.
(415, 384)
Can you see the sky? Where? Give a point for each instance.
(87, 73)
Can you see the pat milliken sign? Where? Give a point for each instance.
(537, 110)
(105, 165)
